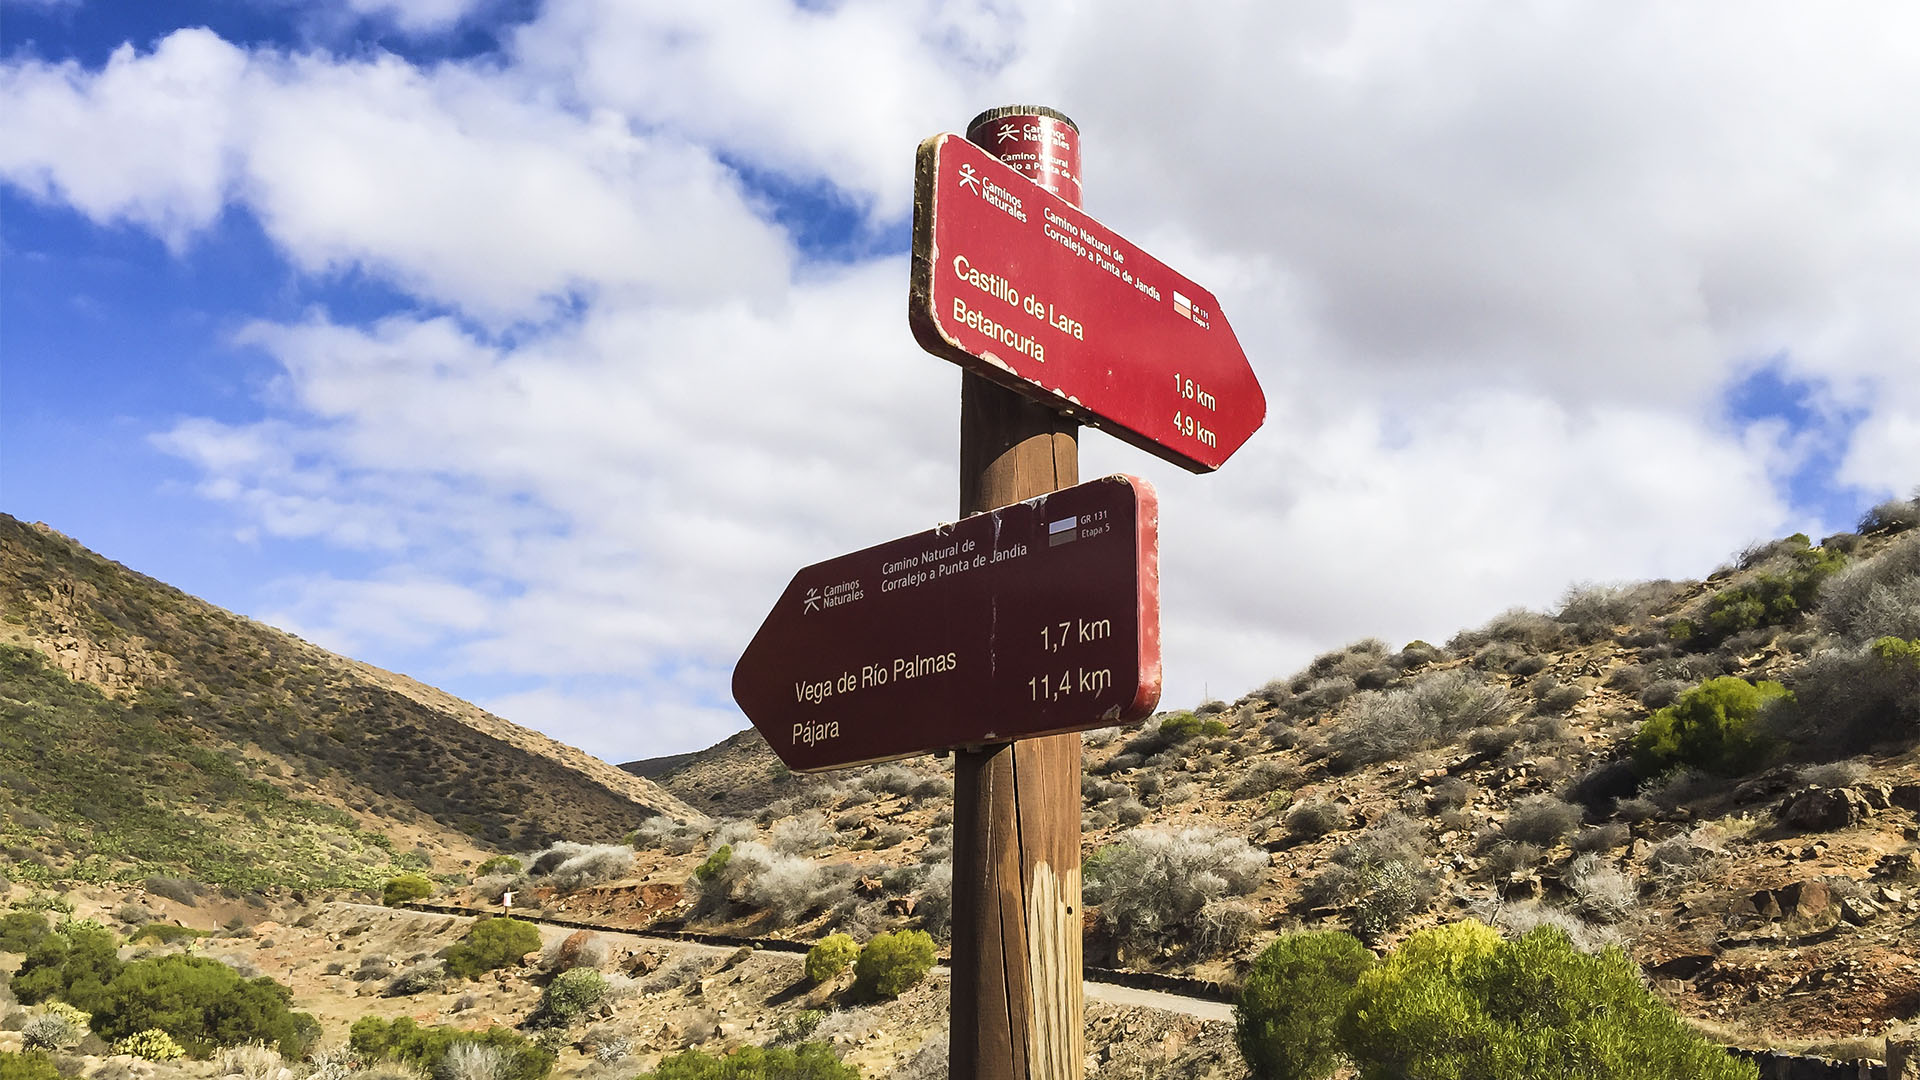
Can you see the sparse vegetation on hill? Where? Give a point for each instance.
(155, 734)
(1594, 777)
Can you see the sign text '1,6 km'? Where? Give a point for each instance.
(1033, 619)
(1016, 284)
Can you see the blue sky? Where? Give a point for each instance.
(529, 347)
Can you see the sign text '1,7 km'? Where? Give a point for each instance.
(1036, 618)
(1016, 284)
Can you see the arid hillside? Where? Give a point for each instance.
(144, 732)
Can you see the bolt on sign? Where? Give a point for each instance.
(1037, 618)
(1018, 285)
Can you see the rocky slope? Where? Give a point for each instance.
(1772, 896)
(145, 732)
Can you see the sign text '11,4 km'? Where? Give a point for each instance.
(1033, 619)
(1019, 286)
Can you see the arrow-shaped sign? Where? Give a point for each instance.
(1016, 284)
(1036, 618)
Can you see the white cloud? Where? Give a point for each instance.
(144, 140)
(462, 185)
(1495, 268)
(417, 16)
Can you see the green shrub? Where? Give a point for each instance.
(714, 863)
(570, 995)
(151, 1044)
(73, 964)
(891, 963)
(32, 1065)
(405, 889)
(1769, 598)
(830, 957)
(1287, 1021)
(202, 1003)
(20, 931)
(1179, 727)
(1456, 1002)
(490, 945)
(808, 1061)
(373, 1038)
(499, 864)
(1711, 727)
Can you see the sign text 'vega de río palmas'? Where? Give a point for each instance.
(1036, 618)
(1021, 287)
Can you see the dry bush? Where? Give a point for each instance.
(1321, 696)
(671, 835)
(1431, 712)
(1263, 776)
(799, 835)
(1636, 809)
(1316, 818)
(1629, 679)
(1834, 774)
(1416, 654)
(1601, 838)
(1273, 692)
(582, 866)
(1541, 819)
(1223, 925)
(1450, 793)
(786, 886)
(581, 949)
(1602, 892)
(935, 906)
(1663, 692)
(1491, 742)
(1516, 920)
(1098, 737)
(1593, 612)
(1894, 515)
(1384, 874)
(252, 1061)
(1553, 696)
(896, 779)
(493, 886)
(466, 1059)
(1348, 661)
(682, 972)
(1151, 883)
(1512, 857)
(1688, 855)
(1851, 698)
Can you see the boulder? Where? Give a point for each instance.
(1819, 809)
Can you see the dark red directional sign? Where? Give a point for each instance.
(1036, 618)
(1014, 283)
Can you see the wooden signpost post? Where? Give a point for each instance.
(1036, 616)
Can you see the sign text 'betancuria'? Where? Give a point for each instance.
(1056, 306)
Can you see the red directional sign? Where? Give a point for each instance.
(1014, 283)
(1037, 618)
